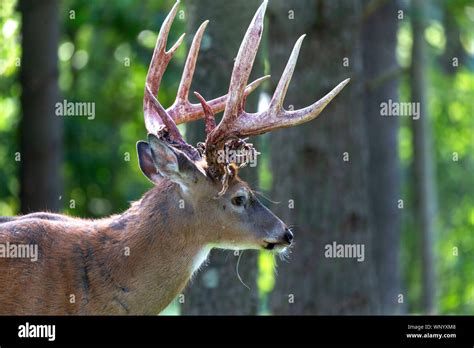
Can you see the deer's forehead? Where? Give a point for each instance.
(236, 186)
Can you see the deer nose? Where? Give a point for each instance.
(288, 237)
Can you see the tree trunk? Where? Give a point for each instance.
(321, 166)
(379, 43)
(454, 48)
(40, 129)
(424, 183)
(217, 289)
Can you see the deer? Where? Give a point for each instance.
(138, 261)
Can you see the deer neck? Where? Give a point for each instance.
(161, 246)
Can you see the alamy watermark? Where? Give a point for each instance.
(28, 330)
(19, 251)
(345, 251)
(67, 108)
(241, 156)
(393, 108)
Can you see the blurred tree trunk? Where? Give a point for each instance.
(380, 66)
(330, 195)
(454, 48)
(40, 128)
(216, 289)
(424, 183)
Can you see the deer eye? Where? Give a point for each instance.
(239, 201)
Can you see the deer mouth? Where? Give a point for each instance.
(277, 246)
(269, 246)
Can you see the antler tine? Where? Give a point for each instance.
(161, 57)
(158, 65)
(165, 117)
(208, 113)
(276, 103)
(190, 65)
(276, 116)
(296, 117)
(186, 112)
(260, 123)
(240, 75)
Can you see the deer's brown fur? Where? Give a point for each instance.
(167, 233)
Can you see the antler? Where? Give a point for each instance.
(236, 123)
(161, 121)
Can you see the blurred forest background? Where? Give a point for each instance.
(403, 187)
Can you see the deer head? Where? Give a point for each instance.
(224, 205)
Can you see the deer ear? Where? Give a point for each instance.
(145, 161)
(172, 163)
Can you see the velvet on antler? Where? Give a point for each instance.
(236, 123)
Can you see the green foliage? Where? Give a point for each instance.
(104, 55)
(9, 107)
(454, 129)
(451, 111)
